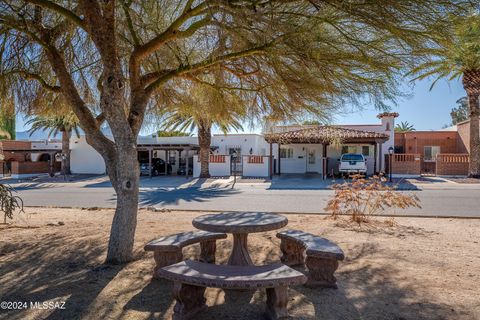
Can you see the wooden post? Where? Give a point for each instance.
(380, 160)
(271, 161)
(150, 162)
(279, 172)
(324, 162)
(165, 162)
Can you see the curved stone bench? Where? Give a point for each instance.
(191, 278)
(168, 250)
(319, 255)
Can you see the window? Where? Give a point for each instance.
(286, 153)
(352, 157)
(366, 151)
(430, 153)
(349, 149)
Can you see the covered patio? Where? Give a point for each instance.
(318, 144)
(176, 154)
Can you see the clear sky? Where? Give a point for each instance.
(424, 109)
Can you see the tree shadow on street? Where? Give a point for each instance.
(191, 194)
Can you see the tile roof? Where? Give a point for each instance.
(326, 134)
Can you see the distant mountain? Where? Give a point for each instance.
(43, 134)
(37, 135)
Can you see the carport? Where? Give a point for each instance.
(325, 136)
(167, 148)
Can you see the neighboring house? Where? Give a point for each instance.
(442, 152)
(20, 159)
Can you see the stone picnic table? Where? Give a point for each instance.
(240, 224)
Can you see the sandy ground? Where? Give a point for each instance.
(419, 269)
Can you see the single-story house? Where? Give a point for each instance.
(21, 159)
(282, 149)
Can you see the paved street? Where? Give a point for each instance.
(180, 193)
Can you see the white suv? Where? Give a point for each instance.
(353, 163)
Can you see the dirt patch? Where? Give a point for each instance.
(419, 269)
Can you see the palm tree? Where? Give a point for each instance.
(7, 119)
(404, 126)
(191, 119)
(203, 108)
(66, 124)
(459, 57)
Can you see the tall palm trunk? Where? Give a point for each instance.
(471, 83)
(474, 169)
(204, 141)
(66, 151)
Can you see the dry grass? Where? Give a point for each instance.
(410, 269)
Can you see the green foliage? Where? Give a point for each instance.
(203, 105)
(9, 203)
(311, 122)
(7, 119)
(461, 112)
(404, 126)
(174, 133)
(54, 124)
(455, 54)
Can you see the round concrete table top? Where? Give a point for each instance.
(240, 222)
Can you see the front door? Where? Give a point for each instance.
(311, 160)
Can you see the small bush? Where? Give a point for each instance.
(362, 198)
(9, 203)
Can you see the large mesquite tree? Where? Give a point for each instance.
(113, 60)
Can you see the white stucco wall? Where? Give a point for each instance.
(245, 142)
(256, 169)
(299, 162)
(215, 169)
(85, 159)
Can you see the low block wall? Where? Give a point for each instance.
(408, 164)
(452, 164)
(29, 168)
(219, 165)
(255, 166)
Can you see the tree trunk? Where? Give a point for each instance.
(474, 169)
(66, 151)
(204, 140)
(124, 174)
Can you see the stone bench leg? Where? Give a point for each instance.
(292, 253)
(165, 258)
(190, 300)
(320, 272)
(207, 251)
(277, 299)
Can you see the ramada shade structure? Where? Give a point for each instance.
(326, 135)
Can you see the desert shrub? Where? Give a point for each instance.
(362, 198)
(9, 203)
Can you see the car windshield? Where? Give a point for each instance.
(352, 157)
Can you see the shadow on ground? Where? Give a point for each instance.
(56, 266)
(159, 196)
